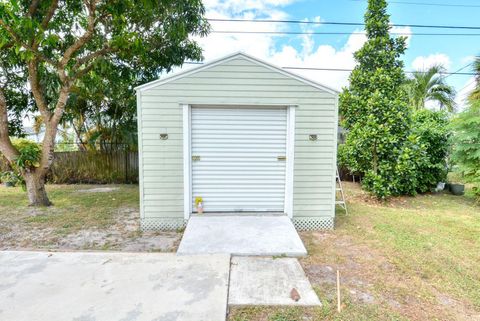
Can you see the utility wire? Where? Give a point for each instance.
(341, 23)
(348, 70)
(338, 33)
(460, 69)
(431, 4)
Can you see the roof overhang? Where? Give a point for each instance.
(219, 61)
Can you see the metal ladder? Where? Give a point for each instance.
(339, 192)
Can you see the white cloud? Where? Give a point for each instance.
(467, 60)
(264, 46)
(425, 62)
(405, 32)
(310, 53)
(324, 56)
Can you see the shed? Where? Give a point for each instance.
(244, 135)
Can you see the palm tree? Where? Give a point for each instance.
(430, 85)
(475, 94)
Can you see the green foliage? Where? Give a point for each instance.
(67, 144)
(132, 42)
(430, 86)
(376, 114)
(29, 153)
(28, 158)
(10, 177)
(475, 94)
(466, 144)
(433, 132)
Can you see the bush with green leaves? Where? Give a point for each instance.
(466, 144)
(29, 153)
(28, 158)
(433, 132)
(10, 177)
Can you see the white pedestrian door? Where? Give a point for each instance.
(239, 158)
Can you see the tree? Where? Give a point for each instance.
(102, 111)
(430, 85)
(375, 112)
(61, 44)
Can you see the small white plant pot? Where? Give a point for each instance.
(200, 208)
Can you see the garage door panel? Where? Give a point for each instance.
(239, 169)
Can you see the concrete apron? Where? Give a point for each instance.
(269, 281)
(248, 235)
(101, 286)
(44, 286)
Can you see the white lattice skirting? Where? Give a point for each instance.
(301, 223)
(313, 223)
(162, 224)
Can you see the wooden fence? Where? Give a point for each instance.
(92, 167)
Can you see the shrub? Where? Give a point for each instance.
(29, 153)
(29, 157)
(466, 144)
(433, 132)
(419, 164)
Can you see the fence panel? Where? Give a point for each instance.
(94, 167)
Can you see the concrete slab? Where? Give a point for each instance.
(241, 235)
(269, 281)
(112, 286)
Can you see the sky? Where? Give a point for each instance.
(336, 51)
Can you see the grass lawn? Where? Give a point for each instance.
(413, 258)
(84, 217)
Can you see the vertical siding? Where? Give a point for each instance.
(242, 82)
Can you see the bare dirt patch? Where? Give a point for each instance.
(123, 235)
(98, 190)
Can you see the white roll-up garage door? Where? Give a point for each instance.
(238, 158)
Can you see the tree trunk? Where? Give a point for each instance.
(37, 195)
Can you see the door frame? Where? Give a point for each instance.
(187, 154)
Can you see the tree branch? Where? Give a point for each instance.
(37, 90)
(91, 56)
(33, 8)
(17, 40)
(60, 106)
(6, 147)
(80, 41)
(51, 11)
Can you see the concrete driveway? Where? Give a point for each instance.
(112, 286)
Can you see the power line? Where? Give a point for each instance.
(460, 69)
(361, 24)
(338, 33)
(348, 70)
(431, 4)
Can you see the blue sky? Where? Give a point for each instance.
(335, 51)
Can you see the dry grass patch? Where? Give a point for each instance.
(84, 217)
(412, 258)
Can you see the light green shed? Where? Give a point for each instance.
(245, 136)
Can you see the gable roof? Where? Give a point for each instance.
(216, 62)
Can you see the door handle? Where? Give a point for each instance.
(280, 158)
(195, 158)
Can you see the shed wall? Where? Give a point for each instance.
(236, 82)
